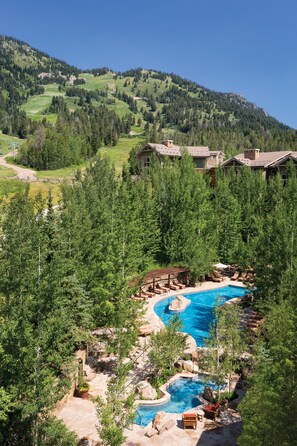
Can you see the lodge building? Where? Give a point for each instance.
(203, 158)
(269, 163)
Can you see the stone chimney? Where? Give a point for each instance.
(252, 154)
(168, 143)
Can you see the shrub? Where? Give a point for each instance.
(83, 386)
(227, 396)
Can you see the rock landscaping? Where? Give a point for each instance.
(180, 303)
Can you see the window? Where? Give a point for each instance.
(146, 162)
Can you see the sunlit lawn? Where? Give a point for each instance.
(59, 174)
(36, 105)
(9, 187)
(119, 154)
(6, 173)
(7, 142)
(97, 82)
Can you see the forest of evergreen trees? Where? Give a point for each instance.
(66, 272)
(76, 136)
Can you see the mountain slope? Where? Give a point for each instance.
(161, 104)
(184, 104)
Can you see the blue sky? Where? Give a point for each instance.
(243, 46)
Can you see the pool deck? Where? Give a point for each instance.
(207, 433)
(80, 415)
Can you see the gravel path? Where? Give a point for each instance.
(22, 173)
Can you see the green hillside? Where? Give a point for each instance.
(8, 143)
(97, 111)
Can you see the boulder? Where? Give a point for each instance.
(188, 366)
(180, 303)
(208, 394)
(179, 363)
(146, 391)
(145, 330)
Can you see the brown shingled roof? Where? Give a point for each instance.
(195, 152)
(238, 158)
(264, 158)
(291, 155)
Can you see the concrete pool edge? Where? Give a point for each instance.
(166, 396)
(153, 319)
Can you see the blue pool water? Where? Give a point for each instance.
(196, 319)
(198, 316)
(184, 396)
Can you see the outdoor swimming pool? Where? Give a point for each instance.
(184, 395)
(198, 316)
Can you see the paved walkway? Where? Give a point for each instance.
(176, 436)
(208, 433)
(80, 415)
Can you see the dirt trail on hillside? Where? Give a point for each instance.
(22, 173)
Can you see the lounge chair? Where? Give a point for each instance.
(163, 288)
(172, 286)
(250, 277)
(243, 276)
(157, 290)
(213, 278)
(235, 276)
(189, 420)
(148, 293)
(218, 276)
(177, 283)
(138, 296)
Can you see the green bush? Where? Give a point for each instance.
(84, 386)
(157, 381)
(227, 396)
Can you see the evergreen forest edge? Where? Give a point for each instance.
(65, 272)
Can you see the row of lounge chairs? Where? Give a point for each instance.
(158, 289)
(244, 276)
(241, 276)
(174, 285)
